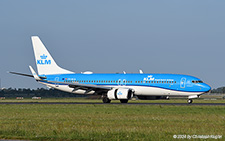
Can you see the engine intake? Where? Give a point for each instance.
(120, 94)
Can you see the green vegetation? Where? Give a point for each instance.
(10, 92)
(109, 122)
(204, 99)
(53, 93)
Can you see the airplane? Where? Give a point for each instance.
(116, 86)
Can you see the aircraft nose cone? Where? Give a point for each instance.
(206, 88)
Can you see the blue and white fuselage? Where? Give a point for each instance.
(142, 84)
(112, 86)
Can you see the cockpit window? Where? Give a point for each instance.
(197, 81)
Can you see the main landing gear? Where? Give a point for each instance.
(106, 99)
(124, 100)
(190, 101)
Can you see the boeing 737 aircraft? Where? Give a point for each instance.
(112, 86)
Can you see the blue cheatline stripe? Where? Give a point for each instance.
(126, 85)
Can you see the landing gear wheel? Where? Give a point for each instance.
(124, 100)
(190, 101)
(167, 98)
(106, 100)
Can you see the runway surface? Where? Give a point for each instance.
(91, 103)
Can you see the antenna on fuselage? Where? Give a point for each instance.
(140, 71)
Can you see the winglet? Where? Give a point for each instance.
(36, 77)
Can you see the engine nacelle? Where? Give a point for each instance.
(193, 96)
(120, 94)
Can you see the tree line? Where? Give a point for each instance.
(40, 92)
(218, 90)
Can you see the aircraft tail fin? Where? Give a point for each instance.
(44, 61)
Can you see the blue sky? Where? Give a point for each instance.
(185, 37)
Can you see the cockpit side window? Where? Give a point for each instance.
(197, 81)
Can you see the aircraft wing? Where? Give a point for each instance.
(78, 86)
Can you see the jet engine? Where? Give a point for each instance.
(120, 94)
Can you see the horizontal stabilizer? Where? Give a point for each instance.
(28, 75)
(22, 74)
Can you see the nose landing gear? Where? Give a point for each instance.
(190, 101)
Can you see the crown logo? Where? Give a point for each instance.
(43, 56)
(120, 93)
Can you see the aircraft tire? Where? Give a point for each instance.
(124, 100)
(167, 98)
(190, 101)
(106, 100)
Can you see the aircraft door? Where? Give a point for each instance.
(119, 82)
(122, 82)
(57, 79)
(182, 82)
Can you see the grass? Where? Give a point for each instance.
(204, 99)
(109, 122)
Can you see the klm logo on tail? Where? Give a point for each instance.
(44, 60)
